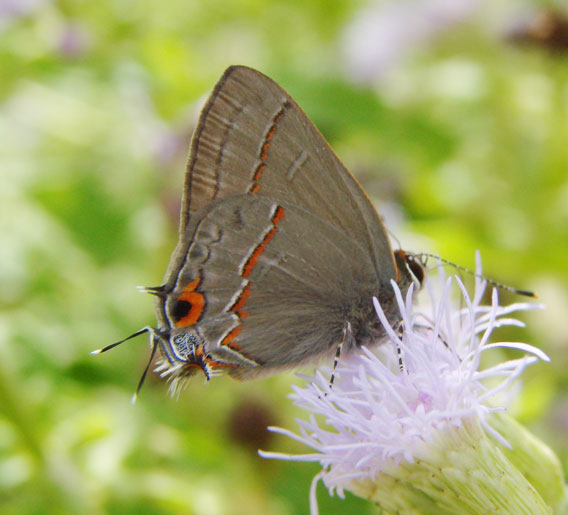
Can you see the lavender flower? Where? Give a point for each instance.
(410, 426)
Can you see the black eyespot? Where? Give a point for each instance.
(181, 309)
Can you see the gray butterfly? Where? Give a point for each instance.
(280, 251)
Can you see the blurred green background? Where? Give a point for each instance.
(453, 114)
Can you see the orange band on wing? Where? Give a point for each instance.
(264, 151)
(258, 173)
(265, 147)
(203, 360)
(242, 299)
(251, 261)
(228, 340)
(254, 188)
(278, 215)
(261, 247)
(270, 135)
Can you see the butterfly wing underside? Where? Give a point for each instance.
(252, 137)
(279, 246)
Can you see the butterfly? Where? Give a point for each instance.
(280, 250)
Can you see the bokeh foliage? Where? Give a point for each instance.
(463, 142)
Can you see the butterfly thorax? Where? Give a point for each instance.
(366, 328)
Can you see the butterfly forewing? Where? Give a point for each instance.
(253, 138)
(280, 250)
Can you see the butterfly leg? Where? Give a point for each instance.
(347, 334)
(401, 365)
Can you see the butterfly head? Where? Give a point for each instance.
(411, 267)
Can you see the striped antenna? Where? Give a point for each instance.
(154, 348)
(113, 345)
(501, 286)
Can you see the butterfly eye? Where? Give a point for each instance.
(415, 268)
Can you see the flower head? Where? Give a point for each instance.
(389, 406)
